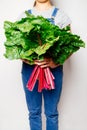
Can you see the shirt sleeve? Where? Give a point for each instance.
(22, 15)
(62, 20)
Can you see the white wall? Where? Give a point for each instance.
(73, 104)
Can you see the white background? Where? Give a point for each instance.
(73, 103)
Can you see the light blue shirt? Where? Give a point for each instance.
(61, 19)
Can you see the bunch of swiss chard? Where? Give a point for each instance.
(34, 38)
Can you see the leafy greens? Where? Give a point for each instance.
(35, 37)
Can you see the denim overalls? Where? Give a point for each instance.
(51, 97)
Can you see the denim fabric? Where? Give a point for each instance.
(51, 99)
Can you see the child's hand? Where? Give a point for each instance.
(25, 61)
(47, 62)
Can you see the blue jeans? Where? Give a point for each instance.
(51, 99)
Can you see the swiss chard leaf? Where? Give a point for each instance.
(35, 37)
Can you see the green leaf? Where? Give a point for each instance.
(22, 40)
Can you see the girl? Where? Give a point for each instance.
(51, 97)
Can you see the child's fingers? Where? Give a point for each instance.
(41, 63)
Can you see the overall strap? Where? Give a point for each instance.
(54, 13)
(29, 11)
